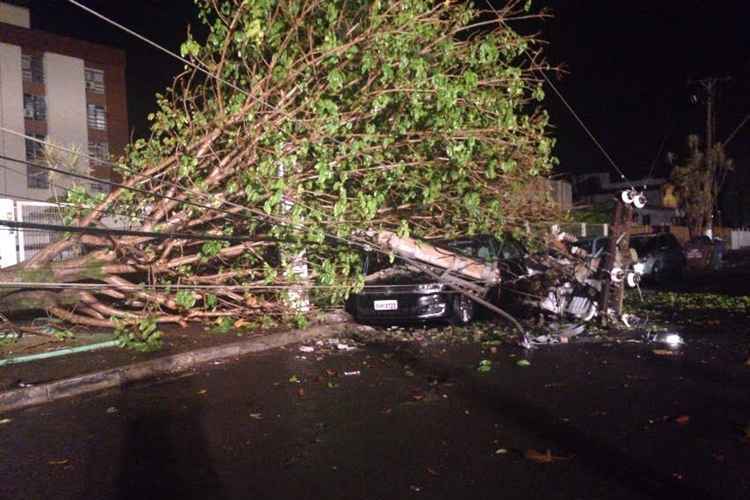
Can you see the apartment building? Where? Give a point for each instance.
(61, 90)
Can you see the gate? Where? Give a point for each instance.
(19, 245)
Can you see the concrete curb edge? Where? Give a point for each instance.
(122, 376)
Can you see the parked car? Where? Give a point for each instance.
(703, 253)
(399, 294)
(659, 254)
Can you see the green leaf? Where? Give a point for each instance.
(190, 48)
(185, 299)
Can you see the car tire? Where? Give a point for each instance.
(463, 309)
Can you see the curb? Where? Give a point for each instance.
(122, 376)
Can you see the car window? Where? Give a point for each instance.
(511, 250)
(602, 245)
(375, 261)
(470, 248)
(484, 253)
(586, 245)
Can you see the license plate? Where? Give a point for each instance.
(385, 305)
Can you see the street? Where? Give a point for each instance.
(396, 420)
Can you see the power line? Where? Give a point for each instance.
(736, 129)
(120, 185)
(200, 68)
(111, 183)
(583, 125)
(60, 204)
(98, 231)
(166, 286)
(658, 155)
(61, 148)
(573, 112)
(254, 215)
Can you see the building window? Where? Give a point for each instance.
(97, 117)
(99, 187)
(32, 67)
(34, 107)
(36, 178)
(95, 81)
(99, 150)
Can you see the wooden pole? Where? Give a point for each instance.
(609, 264)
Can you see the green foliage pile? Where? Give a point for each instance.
(326, 119)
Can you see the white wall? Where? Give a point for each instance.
(11, 117)
(66, 109)
(18, 16)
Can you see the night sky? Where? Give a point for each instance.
(629, 64)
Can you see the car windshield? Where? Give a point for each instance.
(587, 245)
(642, 245)
(474, 248)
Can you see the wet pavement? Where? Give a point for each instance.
(405, 420)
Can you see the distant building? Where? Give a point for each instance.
(62, 90)
(598, 188)
(562, 193)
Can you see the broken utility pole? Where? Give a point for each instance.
(612, 291)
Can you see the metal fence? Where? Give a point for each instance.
(585, 230)
(739, 239)
(19, 245)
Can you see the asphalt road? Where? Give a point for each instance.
(415, 422)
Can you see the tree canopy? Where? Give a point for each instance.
(320, 120)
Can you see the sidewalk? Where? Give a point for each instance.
(38, 382)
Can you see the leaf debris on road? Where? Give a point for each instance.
(544, 458)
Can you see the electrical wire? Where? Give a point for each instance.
(157, 286)
(658, 154)
(574, 113)
(68, 204)
(62, 205)
(200, 68)
(123, 186)
(583, 125)
(99, 231)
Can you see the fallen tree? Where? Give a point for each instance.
(322, 121)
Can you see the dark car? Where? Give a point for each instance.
(396, 293)
(704, 253)
(661, 255)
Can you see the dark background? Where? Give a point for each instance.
(628, 63)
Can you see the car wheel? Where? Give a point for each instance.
(463, 310)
